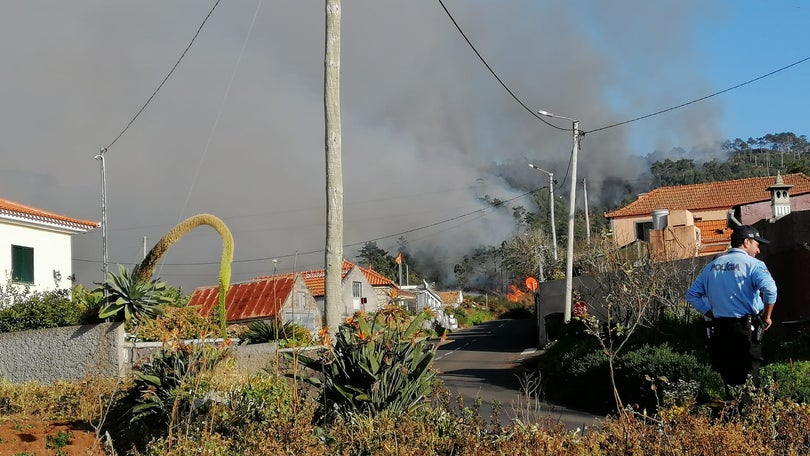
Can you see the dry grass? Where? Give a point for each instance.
(764, 426)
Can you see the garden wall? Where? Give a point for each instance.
(70, 352)
(74, 352)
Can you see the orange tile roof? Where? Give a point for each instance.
(376, 279)
(712, 195)
(261, 298)
(714, 231)
(316, 278)
(13, 209)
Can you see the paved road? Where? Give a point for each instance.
(481, 362)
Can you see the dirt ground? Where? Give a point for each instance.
(32, 436)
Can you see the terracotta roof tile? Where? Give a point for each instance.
(261, 298)
(712, 195)
(316, 278)
(714, 231)
(376, 279)
(14, 209)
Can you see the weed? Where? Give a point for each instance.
(62, 439)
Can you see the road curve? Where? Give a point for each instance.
(480, 362)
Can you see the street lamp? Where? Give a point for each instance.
(569, 253)
(551, 206)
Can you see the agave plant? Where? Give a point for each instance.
(135, 298)
(380, 363)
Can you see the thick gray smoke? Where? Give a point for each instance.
(427, 130)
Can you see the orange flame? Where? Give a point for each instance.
(515, 294)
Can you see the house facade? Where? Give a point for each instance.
(696, 215)
(35, 246)
(384, 288)
(284, 297)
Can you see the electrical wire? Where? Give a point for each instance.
(750, 81)
(151, 97)
(495, 75)
(355, 244)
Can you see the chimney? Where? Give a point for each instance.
(780, 198)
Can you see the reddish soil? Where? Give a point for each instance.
(30, 436)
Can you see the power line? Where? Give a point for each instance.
(290, 255)
(701, 98)
(508, 90)
(166, 78)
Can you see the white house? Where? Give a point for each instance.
(35, 247)
(427, 298)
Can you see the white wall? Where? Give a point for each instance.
(52, 251)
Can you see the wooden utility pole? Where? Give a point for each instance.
(334, 170)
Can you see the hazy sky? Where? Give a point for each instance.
(237, 131)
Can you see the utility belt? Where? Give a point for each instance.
(753, 324)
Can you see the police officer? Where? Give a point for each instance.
(737, 293)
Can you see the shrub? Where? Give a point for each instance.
(792, 380)
(168, 390)
(380, 362)
(286, 334)
(478, 316)
(177, 322)
(49, 309)
(636, 369)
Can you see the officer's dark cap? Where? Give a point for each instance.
(744, 232)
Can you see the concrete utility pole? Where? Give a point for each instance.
(551, 207)
(569, 252)
(334, 170)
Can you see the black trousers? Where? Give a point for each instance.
(733, 351)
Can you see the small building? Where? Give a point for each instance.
(384, 288)
(425, 298)
(357, 293)
(35, 246)
(286, 297)
(696, 216)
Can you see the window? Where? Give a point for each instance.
(22, 264)
(357, 296)
(643, 230)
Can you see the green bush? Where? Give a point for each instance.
(286, 334)
(478, 316)
(636, 370)
(575, 373)
(49, 309)
(262, 398)
(792, 380)
(380, 363)
(169, 390)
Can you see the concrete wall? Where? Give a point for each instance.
(71, 352)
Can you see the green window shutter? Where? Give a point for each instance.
(22, 264)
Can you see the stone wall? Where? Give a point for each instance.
(71, 352)
(74, 352)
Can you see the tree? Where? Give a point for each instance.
(378, 259)
(334, 172)
(627, 293)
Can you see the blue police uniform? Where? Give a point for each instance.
(737, 280)
(735, 286)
